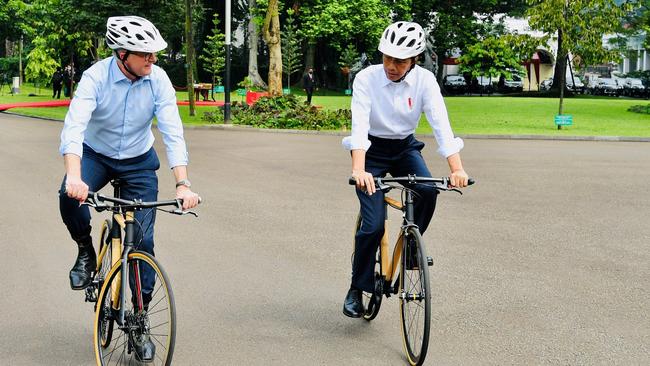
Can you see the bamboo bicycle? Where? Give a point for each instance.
(141, 314)
(412, 284)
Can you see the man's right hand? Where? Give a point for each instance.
(76, 188)
(365, 181)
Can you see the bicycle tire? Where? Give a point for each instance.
(104, 266)
(414, 299)
(161, 305)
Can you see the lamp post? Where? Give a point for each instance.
(226, 106)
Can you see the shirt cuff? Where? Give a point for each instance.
(349, 143)
(451, 147)
(71, 148)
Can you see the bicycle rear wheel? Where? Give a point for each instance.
(148, 317)
(414, 298)
(106, 331)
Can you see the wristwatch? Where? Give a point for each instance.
(183, 182)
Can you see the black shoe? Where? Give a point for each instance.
(81, 272)
(352, 306)
(144, 348)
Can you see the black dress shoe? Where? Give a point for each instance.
(353, 307)
(81, 272)
(144, 348)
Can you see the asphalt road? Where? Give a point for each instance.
(545, 261)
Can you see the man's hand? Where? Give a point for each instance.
(190, 199)
(364, 180)
(76, 188)
(459, 178)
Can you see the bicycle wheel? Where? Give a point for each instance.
(106, 331)
(148, 318)
(372, 301)
(414, 298)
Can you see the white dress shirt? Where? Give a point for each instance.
(383, 108)
(113, 115)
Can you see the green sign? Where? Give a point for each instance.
(286, 91)
(348, 91)
(241, 92)
(563, 120)
(219, 89)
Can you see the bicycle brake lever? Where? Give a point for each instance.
(181, 212)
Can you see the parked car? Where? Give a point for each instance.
(546, 84)
(455, 84)
(514, 84)
(607, 86)
(578, 87)
(633, 87)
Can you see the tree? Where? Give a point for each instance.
(580, 26)
(495, 56)
(253, 40)
(213, 52)
(271, 31)
(290, 48)
(40, 64)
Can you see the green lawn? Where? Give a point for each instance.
(469, 115)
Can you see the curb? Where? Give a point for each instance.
(231, 127)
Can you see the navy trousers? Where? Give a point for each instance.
(139, 180)
(399, 158)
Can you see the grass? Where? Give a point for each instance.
(494, 115)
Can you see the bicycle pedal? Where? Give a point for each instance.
(91, 296)
(430, 261)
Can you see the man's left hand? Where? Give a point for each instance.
(190, 199)
(459, 178)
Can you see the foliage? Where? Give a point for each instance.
(490, 57)
(248, 84)
(343, 22)
(644, 109)
(40, 64)
(8, 66)
(285, 112)
(349, 56)
(213, 57)
(290, 48)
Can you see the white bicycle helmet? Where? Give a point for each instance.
(402, 40)
(133, 33)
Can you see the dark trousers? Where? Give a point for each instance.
(309, 92)
(399, 158)
(56, 90)
(139, 180)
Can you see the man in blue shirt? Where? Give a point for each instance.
(107, 135)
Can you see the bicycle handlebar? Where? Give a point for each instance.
(412, 179)
(94, 198)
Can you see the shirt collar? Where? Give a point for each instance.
(117, 75)
(409, 79)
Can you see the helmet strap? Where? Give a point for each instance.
(123, 59)
(406, 73)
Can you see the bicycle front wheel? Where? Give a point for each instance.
(414, 298)
(106, 255)
(149, 316)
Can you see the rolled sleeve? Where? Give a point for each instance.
(169, 123)
(79, 113)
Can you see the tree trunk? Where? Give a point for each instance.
(253, 40)
(272, 39)
(310, 56)
(189, 61)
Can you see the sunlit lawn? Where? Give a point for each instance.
(468, 115)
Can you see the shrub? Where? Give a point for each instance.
(285, 112)
(644, 109)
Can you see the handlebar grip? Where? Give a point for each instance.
(352, 181)
(471, 181)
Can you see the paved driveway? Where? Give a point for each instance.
(546, 261)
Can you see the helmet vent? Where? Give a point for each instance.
(125, 30)
(392, 37)
(410, 29)
(139, 36)
(136, 23)
(410, 44)
(150, 35)
(401, 40)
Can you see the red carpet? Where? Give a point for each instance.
(66, 102)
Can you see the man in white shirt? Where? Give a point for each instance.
(387, 103)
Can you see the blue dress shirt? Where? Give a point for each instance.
(113, 115)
